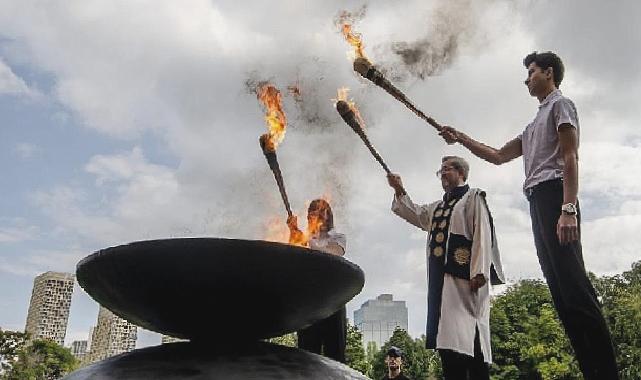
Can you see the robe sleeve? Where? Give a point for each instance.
(418, 215)
(481, 259)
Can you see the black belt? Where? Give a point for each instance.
(529, 192)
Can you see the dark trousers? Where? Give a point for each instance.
(458, 366)
(326, 337)
(573, 295)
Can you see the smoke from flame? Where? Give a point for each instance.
(275, 116)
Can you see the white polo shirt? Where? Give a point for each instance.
(542, 158)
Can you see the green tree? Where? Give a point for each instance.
(417, 360)
(371, 352)
(528, 341)
(42, 360)
(354, 351)
(10, 344)
(430, 357)
(620, 296)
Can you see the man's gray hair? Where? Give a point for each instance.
(459, 164)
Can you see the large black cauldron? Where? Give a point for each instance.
(208, 288)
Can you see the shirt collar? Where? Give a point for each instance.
(552, 95)
(456, 192)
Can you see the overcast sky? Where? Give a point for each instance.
(132, 120)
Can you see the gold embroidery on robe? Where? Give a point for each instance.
(462, 256)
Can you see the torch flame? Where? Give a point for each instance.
(275, 116)
(354, 39)
(298, 238)
(342, 95)
(276, 230)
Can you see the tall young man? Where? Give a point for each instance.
(549, 146)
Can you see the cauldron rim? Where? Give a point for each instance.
(118, 264)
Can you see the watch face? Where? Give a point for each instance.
(569, 208)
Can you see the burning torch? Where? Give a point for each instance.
(366, 69)
(270, 154)
(351, 117)
(276, 123)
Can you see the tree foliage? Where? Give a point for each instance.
(621, 299)
(10, 344)
(528, 341)
(41, 360)
(418, 362)
(354, 351)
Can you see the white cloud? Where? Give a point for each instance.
(26, 150)
(20, 269)
(13, 234)
(10, 83)
(177, 72)
(16, 230)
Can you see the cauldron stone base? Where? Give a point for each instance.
(191, 361)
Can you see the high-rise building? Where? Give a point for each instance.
(111, 336)
(79, 349)
(49, 307)
(377, 319)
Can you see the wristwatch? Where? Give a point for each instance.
(568, 209)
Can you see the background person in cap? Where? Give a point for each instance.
(394, 362)
(549, 146)
(327, 336)
(462, 257)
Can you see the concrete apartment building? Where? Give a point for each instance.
(377, 319)
(49, 307)
(79, 349)
(111, 336)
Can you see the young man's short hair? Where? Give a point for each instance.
(545, 60)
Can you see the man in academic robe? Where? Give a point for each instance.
(462, 259)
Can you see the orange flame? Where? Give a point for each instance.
(354, 39)
(299, 238)
(278, 231)
(275, 116)
(342, 95)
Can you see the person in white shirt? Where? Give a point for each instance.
(549, 146)
(327, 336)
(462, 258)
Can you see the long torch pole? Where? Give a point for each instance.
(369, 71)
(270, 154)
(349, 117)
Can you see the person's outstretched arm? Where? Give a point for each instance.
(511, 150)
